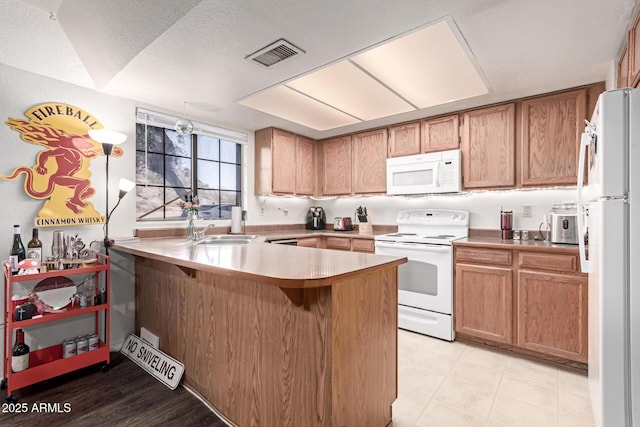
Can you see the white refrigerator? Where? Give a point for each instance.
(610, 150)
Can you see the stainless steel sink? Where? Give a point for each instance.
(227, 239)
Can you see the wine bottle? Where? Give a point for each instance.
(34, 247)
(17, 250)
(20, 354)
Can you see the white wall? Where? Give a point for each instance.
(20, 91)
(484, 206)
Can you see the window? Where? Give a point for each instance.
(168, 165)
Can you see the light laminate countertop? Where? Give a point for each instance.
(525, 245)
(279, 265)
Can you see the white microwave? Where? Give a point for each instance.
(424, 173)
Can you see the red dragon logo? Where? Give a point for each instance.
(61, 173)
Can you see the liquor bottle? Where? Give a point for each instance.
(20, 355)
(34, 247)
(17, 250)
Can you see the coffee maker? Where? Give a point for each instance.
(316, 218)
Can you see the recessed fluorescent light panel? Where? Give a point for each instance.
(288, 104)
(424, 68)
(348, 88)
(428, 67)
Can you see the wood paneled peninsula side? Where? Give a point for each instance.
(275, 335)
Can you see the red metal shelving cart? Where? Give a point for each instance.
(48, 362)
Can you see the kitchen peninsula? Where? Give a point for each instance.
(274, 334)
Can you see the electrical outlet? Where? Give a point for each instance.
(527, 211)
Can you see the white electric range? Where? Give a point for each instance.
(425, 282)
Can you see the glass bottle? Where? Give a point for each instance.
(17, 250)
(20, 354)
(34, 247)
(191, 226)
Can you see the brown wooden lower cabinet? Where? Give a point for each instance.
(363, 245)
(309, 242)
(552, 314)
(483, 302)
(533, 300)
(340, 243)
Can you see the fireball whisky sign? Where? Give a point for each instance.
(61, 174)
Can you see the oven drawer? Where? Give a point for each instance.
(484, 256)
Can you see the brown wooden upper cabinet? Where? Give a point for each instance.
(336, 158)
(488, 147)
(370, 162)
(305, 166)
(404, 140)
(284, 163)
(551, 128)
(442, 133)
(634, 53)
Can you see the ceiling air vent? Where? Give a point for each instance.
(276, 52)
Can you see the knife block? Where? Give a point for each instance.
(365, 227)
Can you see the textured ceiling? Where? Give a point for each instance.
(163, 52)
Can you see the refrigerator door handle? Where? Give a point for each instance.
(585, 141)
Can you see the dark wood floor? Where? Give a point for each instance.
(124, 395)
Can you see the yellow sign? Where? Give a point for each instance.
(61, 174)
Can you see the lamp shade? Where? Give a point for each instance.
(125, 186)
(105, 136)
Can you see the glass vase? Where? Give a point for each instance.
(191, 225)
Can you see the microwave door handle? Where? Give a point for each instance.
(585, 141)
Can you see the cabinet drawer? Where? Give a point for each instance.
(362, 245)
(309, 242)
(551, 262)
(341, 243)
(483, 256)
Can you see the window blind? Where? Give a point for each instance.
(154, 118)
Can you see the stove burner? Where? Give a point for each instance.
(402, 234)
(440, 236)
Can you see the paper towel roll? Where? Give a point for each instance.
(236, 219)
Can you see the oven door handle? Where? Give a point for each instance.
(419, 246)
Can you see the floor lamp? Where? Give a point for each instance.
(108, 139)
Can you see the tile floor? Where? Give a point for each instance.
(461, 385)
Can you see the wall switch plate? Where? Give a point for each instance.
(527, 211)
(149, 337)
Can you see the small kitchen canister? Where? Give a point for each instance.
(69, 348)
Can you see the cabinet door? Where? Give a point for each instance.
(340, 243)
(552, 314)
(488, 147)
(370, 162)
(363, 245)
(483, 302)
(305, 166)
(336, 166)
(551, 128)
(404, 140)
(283, 160)
(440, 134)
(309, 242)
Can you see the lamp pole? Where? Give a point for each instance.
(107, 149)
